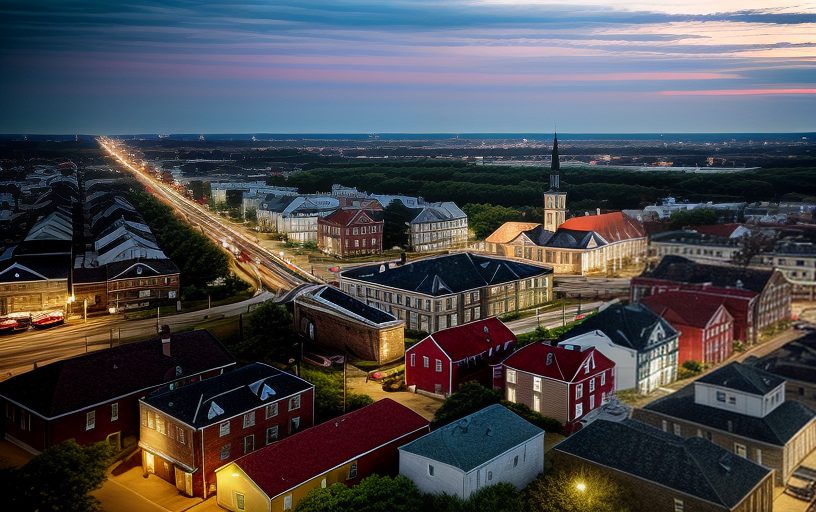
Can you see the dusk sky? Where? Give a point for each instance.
(407, 66)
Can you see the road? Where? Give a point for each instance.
(549, 319)
(274, 272)
(18, 352)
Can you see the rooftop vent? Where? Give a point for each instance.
(725, 462)
(463, 424)
(214, 411)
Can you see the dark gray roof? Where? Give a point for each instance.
(573, 239)
(215, 399)
(742, 377)
(475, 439)
(682, 270)
(795, 360)
(538, 235)
(630, 326)
(777, 428)
(344, 301)
(452, 273)
(694, 466)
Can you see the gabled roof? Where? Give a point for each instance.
(557, 362)
(694, 466)
(475, 439)
(777, 427)
(347, 216)
(452, 273)
(54, 226)
(235, 392)
(509, 231)
(723, 230)
(341, 302)
(571, 239)
(795, 360)
(613, 227)
(538, 235)
(742, 377)
(436, 212)
(80, 382)
(472, 339)
(683, 270)
(35, 268)
(685, 307)
(633, 326)
(297, 459)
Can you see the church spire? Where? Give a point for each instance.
(555, 166)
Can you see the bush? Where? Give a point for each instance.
(373, 494)
(514, 315)
(469, 398)
(542, 422)
(329, 394)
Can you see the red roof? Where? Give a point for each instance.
(723, 230)
(345, 216)
(613, 227)
(564, 365)
(688, 308)
(299, 458)
(472, 339)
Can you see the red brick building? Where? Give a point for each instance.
(187, 433)
(445, 359)
(95, 397)
(343, 450)
(756, 299)
(350, 232)
(559, 383)
(705, 325)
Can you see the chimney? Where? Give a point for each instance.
(597, 211)
(164, 335)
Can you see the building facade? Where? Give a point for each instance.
(795, 362)
(559, 383)
(438, 226)
(441, 362)
(187, 433)
(332, 319)
(743, 410)
(349, 232)
(445, 291)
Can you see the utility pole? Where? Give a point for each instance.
(345, 358)
(563, 314)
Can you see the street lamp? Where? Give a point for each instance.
(581, 487)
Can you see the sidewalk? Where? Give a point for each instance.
(127, 490)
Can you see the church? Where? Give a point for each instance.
(580, 245)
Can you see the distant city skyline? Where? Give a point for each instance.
(595, 66)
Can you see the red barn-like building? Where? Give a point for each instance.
(706, 327)
(95, 397)
(350, 232)
(559, 383)
(186, 434)
(442, 361)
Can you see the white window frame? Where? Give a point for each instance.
(679, 506)
(90, 420)
(225, 451)
(579, 410)
(114, 411)
(224, 428)
(438, 366)
(537, 384)
(579, 391)
(511, 376)
(352, 472)
(271, 410)
(592, 385)
(294, 403)
(413, 359)
(426, 362)
(249, 419)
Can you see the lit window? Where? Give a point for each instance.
(224, 429)
(90, 420)
(249, 419)
(536, 383)
(180, 435)
(115, 411)
(678, 505)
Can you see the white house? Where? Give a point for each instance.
(488, 447)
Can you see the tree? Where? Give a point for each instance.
(469, 398)
(697, 217)
(269, 335)
(575, 491)
(61, 478)
(503, 497)
(329, 394)
(396, 216)
(373, 494)
(251, 214)
(484, 219)
(753, 245)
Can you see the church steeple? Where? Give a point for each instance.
(555, 166)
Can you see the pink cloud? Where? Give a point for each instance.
(738, 92)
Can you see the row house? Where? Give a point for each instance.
(332, 319)
(343, 450)
(706, 327)
(187, 433)
(490, 446)
(659, 471)
(350, 232)
(435, 293)
(567, 385)
(744, 410)
(643, 346)
(95, 397)
(438, 226)
(444, 360)
(756, 299)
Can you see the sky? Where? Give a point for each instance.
(355, 66)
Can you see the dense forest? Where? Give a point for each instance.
(587, 188)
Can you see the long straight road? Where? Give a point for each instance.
(550, 319)
(275, 273)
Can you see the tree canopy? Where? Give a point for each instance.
(395, 231)
(469, 398)
(59, 479)
(373, 494)
(268, 335)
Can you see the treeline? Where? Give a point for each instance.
(522, 186)
(198, 258)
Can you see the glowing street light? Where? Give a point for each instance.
(581, 486)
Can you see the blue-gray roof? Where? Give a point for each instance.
(475, 439)
(694, 466)
(742, 377)
(629, 326)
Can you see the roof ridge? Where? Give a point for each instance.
(713, 487)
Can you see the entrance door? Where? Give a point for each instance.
(150, 462)
(184, 481)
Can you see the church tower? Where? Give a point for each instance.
(555, 201)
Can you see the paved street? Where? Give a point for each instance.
(549, 319)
